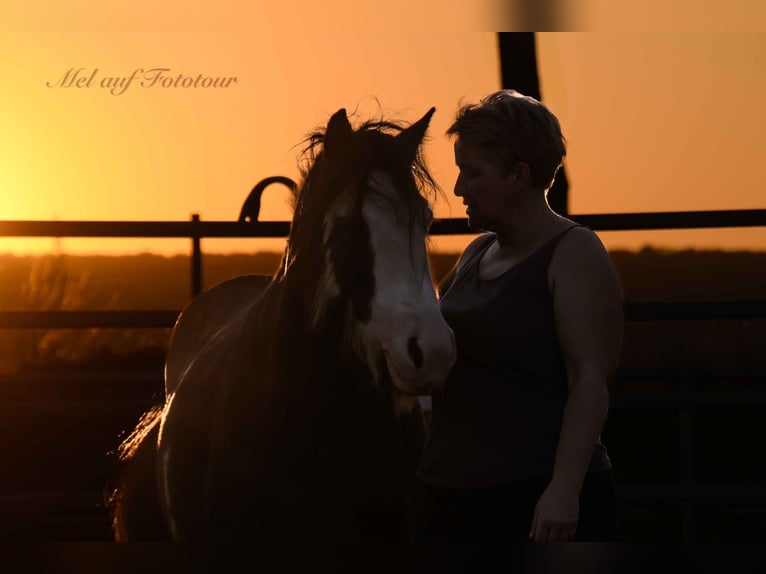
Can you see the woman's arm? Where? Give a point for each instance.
(587, 299)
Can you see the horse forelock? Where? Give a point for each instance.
(372, 145)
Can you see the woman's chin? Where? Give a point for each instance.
(474, 222)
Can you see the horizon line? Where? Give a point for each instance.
(268, 252)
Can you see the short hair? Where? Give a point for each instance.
(510, 128)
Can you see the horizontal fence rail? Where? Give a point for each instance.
(88, 319)
(165, 319)
(445, 226)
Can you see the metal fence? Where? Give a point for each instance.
(684, 399)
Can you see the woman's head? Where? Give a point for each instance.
(509, 128)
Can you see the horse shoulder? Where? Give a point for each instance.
(203, 333)
(205, 318)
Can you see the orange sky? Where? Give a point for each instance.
(656, 121)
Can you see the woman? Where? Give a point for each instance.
(514, 450)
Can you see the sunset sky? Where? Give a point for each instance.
(669, 119)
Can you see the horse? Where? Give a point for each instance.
(291, 401)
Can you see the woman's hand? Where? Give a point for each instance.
(556, 515)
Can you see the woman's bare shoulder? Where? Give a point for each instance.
(581, 251)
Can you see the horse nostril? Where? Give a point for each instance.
(415, 353)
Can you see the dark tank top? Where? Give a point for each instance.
(497, 418)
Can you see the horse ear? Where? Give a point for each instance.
(338, 130)
(411, 138)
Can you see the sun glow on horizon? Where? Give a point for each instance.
(655, 122)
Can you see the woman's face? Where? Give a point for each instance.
(485, 190)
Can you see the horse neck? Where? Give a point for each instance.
(326, 390)
(309, 299)
(292, 350)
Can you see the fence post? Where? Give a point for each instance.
(686, 436)
(196, 258)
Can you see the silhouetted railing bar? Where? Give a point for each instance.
(620, 398)
(180, 229)
(89, 376)
(668, 397)
(686, 454)
(694, 310)
(673, 220)
(87, 319)
(696, 371)
(695, 490)
(444, 226)
(71, 408)
(450, 226)
(694, 399)
(196, 260)
(62, 498)
(637, 221)
(167, 318)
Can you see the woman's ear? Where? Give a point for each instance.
(520, 173)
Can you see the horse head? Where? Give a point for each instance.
(373, 182)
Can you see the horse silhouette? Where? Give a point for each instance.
(290, 408)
